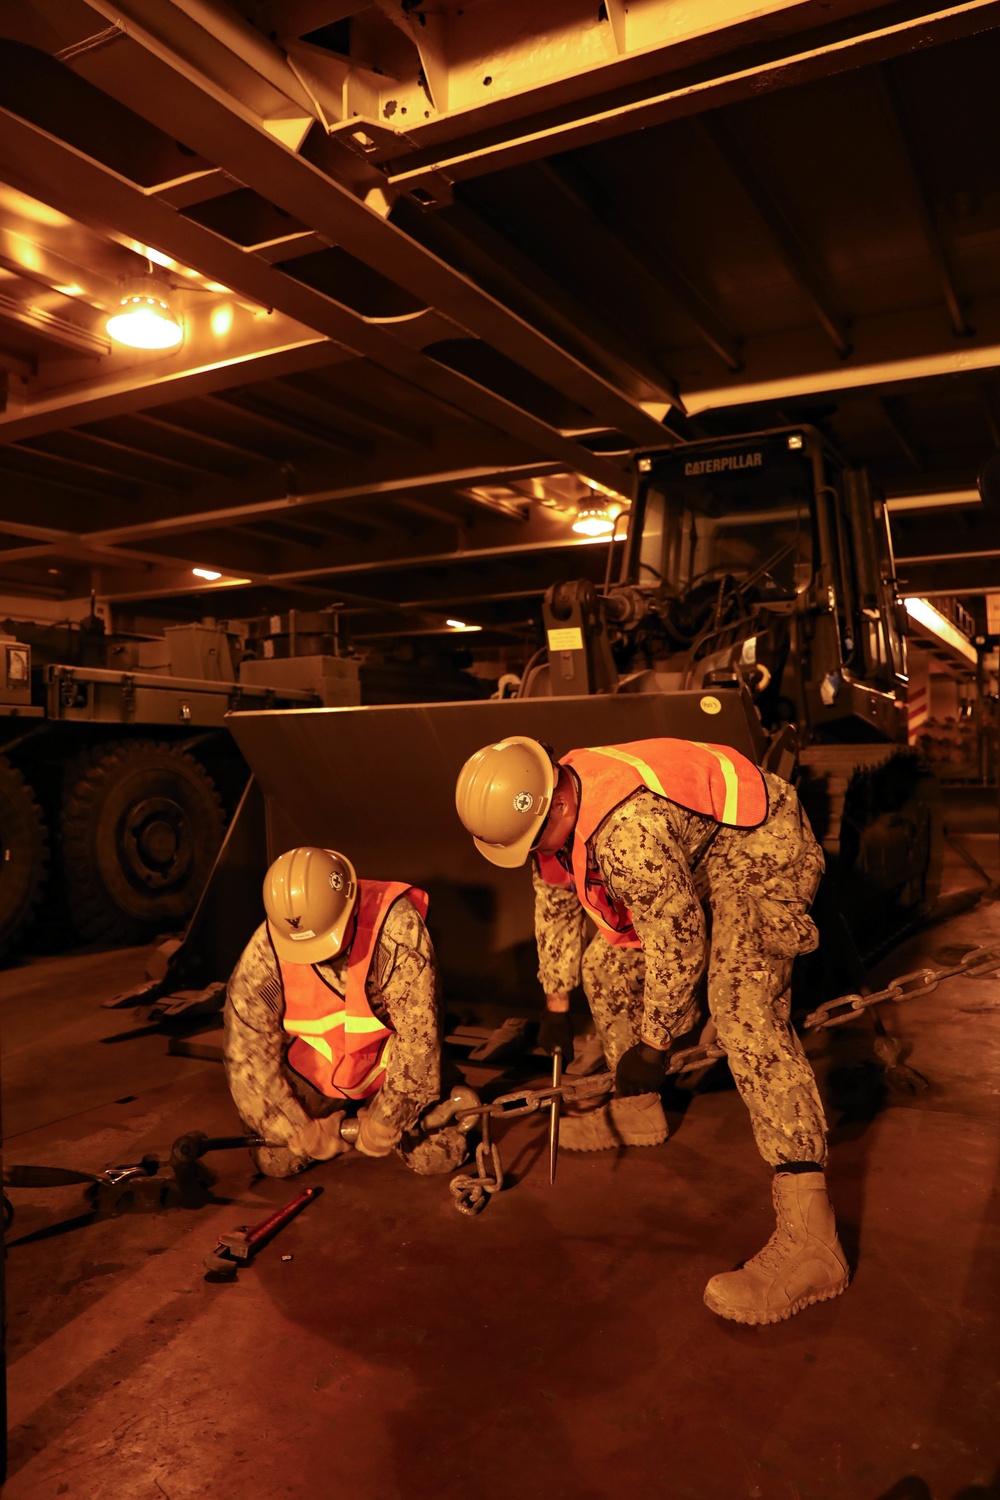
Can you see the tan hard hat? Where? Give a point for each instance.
(503, 797)
(309, 896)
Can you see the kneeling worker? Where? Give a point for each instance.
(642, 838)
(335, 999)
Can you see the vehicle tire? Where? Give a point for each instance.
(24, 852)
(141, 826)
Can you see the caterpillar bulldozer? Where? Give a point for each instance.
(755, 606)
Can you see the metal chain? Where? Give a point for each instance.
(977, 964)
(472, 1193)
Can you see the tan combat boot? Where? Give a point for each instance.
(637, 1120)
(801, 1263)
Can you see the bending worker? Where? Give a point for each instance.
(642, 838)
(335, 1001)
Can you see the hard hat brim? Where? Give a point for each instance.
(312, 950)
(510, 856)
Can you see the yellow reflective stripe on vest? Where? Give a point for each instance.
(364, 1023)
(731, 779)
(319, 1045)
(647, 773)
(305, 1029)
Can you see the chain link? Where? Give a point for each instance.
(472, 1193)
(977, 964)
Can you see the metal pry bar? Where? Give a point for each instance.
(555, 1110)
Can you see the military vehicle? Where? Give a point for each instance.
(119, 744)
(755, 606)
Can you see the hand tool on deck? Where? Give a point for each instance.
(137, 1185)
(237, 1247)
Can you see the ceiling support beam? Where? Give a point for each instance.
(286, 422)
(890, 409)
(895, 111)
(249, 499)
(85, 189)
(481, 246)
(766, 66)
(890, 350)
(162, 84)
(574, 184)
(771, 213)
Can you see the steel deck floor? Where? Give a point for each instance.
(554, 1346)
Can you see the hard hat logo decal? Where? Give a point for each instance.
(336, 879)
(293, 921)
(524, 802)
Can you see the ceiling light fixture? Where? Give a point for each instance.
(461, 625)
(146, 319)
(207, 574)
(594, 519)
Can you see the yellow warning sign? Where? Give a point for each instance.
(570, 639)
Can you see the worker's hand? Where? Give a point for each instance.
(320, 1139)
(374, 1137)
(556, 1030)
(640, 1070)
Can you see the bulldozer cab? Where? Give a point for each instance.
(765, 552)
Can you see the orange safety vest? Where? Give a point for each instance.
(713, 780)
(340, 1046)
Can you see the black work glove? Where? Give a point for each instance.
(640, 1070)
(556, 1030)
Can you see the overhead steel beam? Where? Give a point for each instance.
(161, 85)
(889, 350)
(89, 191)
(769, 65)
(780, 227)
(287, 422)
(895, 111)
(146, 455)
(51, 328)
(195, 434)
(464, 463)
(446, 559)
(890, 408)
(628, 241)
(329, 403)
(991, 413)
(482, 247)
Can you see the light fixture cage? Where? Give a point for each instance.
(594, 519)
(145, 319)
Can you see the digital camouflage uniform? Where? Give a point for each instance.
(402, 988)
(756, 886)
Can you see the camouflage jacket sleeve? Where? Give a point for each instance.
(560, 927)
(644, 865)
(403, 983)
(254, 1046)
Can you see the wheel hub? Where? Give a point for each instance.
(155, 842)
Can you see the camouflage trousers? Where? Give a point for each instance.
(749, 1000)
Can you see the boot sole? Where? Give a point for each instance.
(612, 1145)
(757, 1319)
